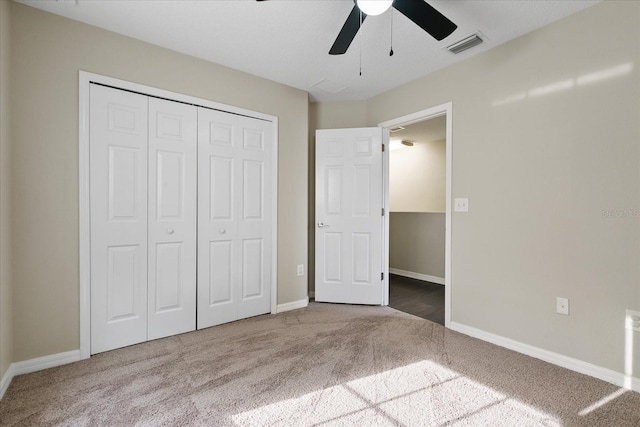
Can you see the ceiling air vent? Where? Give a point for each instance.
(465, 43)
(396, 129)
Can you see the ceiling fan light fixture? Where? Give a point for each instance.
(396, 144)
(374, 7)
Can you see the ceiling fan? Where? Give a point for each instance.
(422, 14)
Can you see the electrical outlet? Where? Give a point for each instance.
(632, 320)
(562, 306)
(461, 205)
(300, 269)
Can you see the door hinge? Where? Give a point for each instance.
(382, 211)
(383, 148)
(381, 276)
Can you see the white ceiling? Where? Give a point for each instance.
(288, 40)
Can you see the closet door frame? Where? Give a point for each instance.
(85, 80)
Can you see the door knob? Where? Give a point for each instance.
(222, 231)
(169, 230)
(322, 224)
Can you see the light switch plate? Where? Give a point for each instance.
(461, 205)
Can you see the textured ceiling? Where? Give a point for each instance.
(288, 40)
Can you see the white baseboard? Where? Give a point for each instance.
(5, 381)
(577, 365)
(37, 364)
(419, 276)
(288, 306)
(40, 363)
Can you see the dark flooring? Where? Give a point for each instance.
(417, 297)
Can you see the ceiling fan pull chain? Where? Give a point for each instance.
(391, 51)
(360, 26)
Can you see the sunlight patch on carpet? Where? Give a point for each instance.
(422, 393)
(600, 403)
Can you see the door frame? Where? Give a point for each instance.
(85, 80)
(419, 116)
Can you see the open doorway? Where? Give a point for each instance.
(418, 199)
(417, 210)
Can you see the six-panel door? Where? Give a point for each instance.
(349, 216)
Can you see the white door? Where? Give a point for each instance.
(234, 217)
(118, 186)
(349, 217)
(173, 133)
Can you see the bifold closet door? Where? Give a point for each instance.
(118, 184)
(173, 134)
(234, 217)
(143, 170)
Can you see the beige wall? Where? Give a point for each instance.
(541, 172)
(6, 328)
(327, 115)
(48, 51)
(416, 242)
(337, 115)
(417, 178)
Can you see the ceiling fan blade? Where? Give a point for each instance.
(426, 17)
(348, 32)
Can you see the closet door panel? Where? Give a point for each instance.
(234, 217)
(217, 219)
(118, 186)
(255, 145)
(172, 218)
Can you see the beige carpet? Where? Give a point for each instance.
(326, 365)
